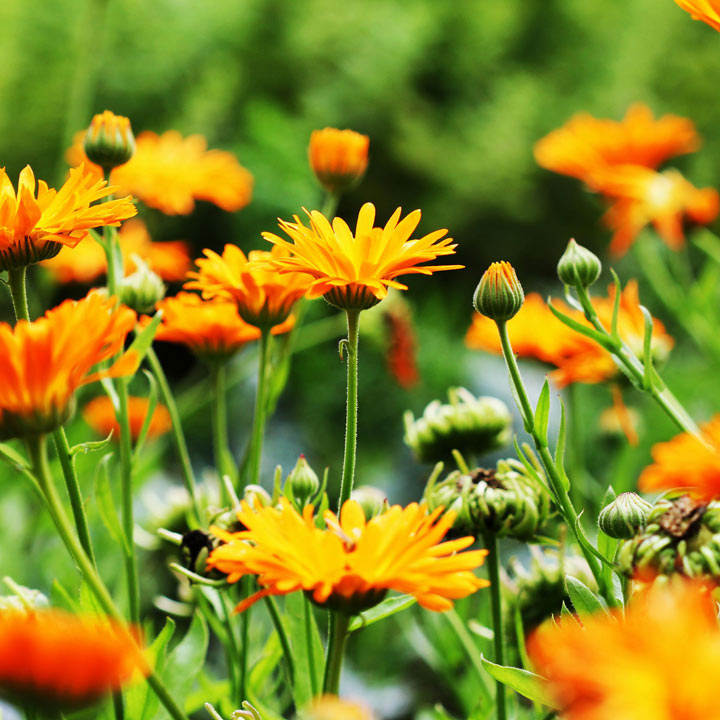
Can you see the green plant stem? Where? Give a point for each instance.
(246, 589)
(177, 431)
(260, 403)
(335, 650)
(17, 280)
(282, 636)
(351, 414)
(231, 649)
(308, 617)
(498, 630)
(330, 204)
(37, 450)
(224, 462)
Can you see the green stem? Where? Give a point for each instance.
(17, 280)
(467, 642)
(335, 650)
(258, 429)
(246, 589)
(309, 646)
(351, 414)
(330, 204)
(231, 649)
(224, 462)
(498, 630)
(282, 636)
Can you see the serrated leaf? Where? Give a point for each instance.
(385, 609)
(524, 682)
(584, 600)
(91, 446)
(542, 414)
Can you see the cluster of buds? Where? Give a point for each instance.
(473, 426)
(505, 501)
(681, 536)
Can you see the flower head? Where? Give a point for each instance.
(351, 563)
(43, 362)
(36, 223)
(100, 414)
(499, 294)
(685, 463)
(338, 158)
(109, 141)
(50, 659)
(355, 270)
(628, 667)
(264, 296)
(706, 10)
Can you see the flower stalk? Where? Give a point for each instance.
(223, 458)
(258, 430)
(337, 638)
(498, 631)
(351, 351)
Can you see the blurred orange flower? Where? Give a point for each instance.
(43, 362)
(684, 463)
(34, 227)
(338, 158)
(660, 661)
(401, 347)
(706, 10)
(169, 172)
(52, 660)
(99, 414)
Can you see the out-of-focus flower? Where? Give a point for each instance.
(352, 563)
(684, 463)
(54, 661)
(264, 296)
(87, 262)
(659, 661)
(100, 415)
(169, 172)
(354, 271)
(401, 347)
(338, 158)
(43, 362)
(109, 141)
(331, 707)
(706, 10)
(35, 225)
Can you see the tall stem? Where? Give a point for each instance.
(224, 462)
(330, 204)
(260, 403)
(351, 412)
(335, 651)
(498, 630)
(17, 279)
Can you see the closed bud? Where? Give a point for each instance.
(109, 141)
(302, 482)
(338, 158)
(372, 500)
(499, 294)
(578, 267)
(625, 516)
(142, 289)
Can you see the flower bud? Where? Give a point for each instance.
(624, 516)
(338, 158)
(474, 426)
(109, 141)
(578, 267)
(142, 289)
(256, 496)
(499, 294)
(302, 482)
(372, 500)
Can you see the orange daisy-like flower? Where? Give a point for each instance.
(661, 661)
(351, 564)
(684, 463)
(100, 414)
(169, 172)
(338, 158)
(170, 260)
(706, 10)
(50, 659)
(354, 271)
(35, 224)
(585, 143)
(43, 362)
(264, 296)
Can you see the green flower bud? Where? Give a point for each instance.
(578, 267)
(624, 516)
(302, 482)
(142, 289)
(499, 294)
(109, 141)
(23, 598)
(372, 500)
(474, 426)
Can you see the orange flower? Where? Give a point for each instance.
(660, 661)
(264, 297)
(169, 172)
(35, 227)
(338, 158)
(43, 362)
(684, 463)
(353, 562)
(401, 347)
(585, 143)
(50, 659)
(706, 10)
(354, 271)
(99, 413)
(170, 260)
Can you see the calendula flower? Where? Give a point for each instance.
(585, 144)
(353, 562)
(109, 141)
(54, 661)
(36, 222)
(354, 271)
(100, 414)
(684, 463)
(706, 10)
(338, 158)
(264, 296)
(43, 362)
(659, 661)
(169, 172)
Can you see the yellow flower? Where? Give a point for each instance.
(332, 707)
(353, 562)
(338, 158)
(354, 271)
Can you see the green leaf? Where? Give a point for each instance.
(616, 305)
(385, 609)
(106, 503)
(542, 413)
(584, 600)
(91, 446)
(524, 682)
(152, 404)
(580, 328)
(306, 647)
(143, 339)
(647, 348)
(560, 448)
